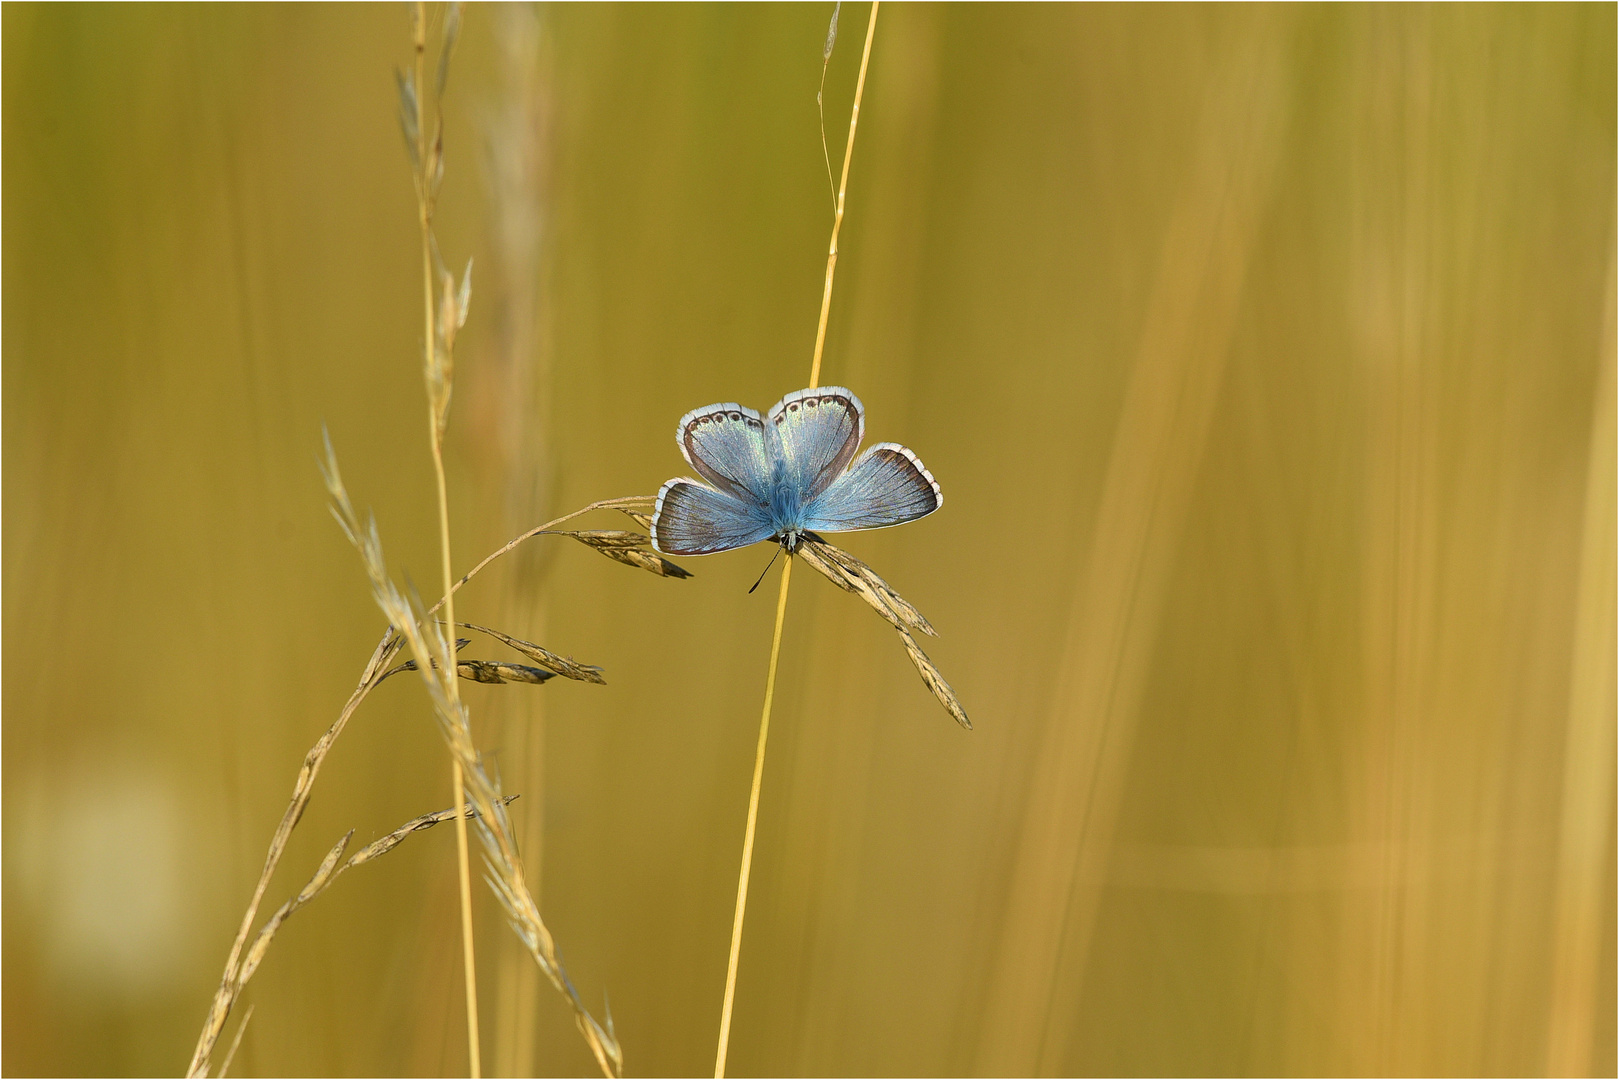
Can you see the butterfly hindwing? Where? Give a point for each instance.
(816, 433)
(726, 444)
(692, 518)
(886, 486)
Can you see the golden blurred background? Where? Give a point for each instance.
(1265, 356)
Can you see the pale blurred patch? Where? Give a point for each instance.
(98, 862)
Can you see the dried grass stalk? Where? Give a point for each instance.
(376, 669)
(433, 654)
(440, 328)
(236, 1041)
(387, 843)
(329, 870)
(229, 983)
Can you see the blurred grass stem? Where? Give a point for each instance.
(787, 568)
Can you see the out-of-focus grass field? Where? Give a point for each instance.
(1265, 356)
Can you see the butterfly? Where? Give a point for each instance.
(785, 474)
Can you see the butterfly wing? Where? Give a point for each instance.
(816, 433)
(725, 443)
(886, 486)
(692, 518)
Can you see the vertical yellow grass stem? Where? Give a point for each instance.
(786, 577)
(464, 875)
(843, 187)
(435, 435)
(753, 820)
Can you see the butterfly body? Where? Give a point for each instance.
(786, 508)
(784, 474)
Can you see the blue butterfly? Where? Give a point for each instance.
(785, 474)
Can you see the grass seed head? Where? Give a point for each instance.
(850, 574)
(565, 666)
(629, 548)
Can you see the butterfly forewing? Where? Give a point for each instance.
(693, 519)
(886, 486)
(725, 443)
(816, 433)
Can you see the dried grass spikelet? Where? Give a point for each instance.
(935, 681)
(850, 574)
(454, 302)
(407, 118)
(486, 671)
(428, 176)
(565, 666)
(433, 654)
(498, 671)
(630, 548)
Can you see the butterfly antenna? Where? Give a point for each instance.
(765, 571)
